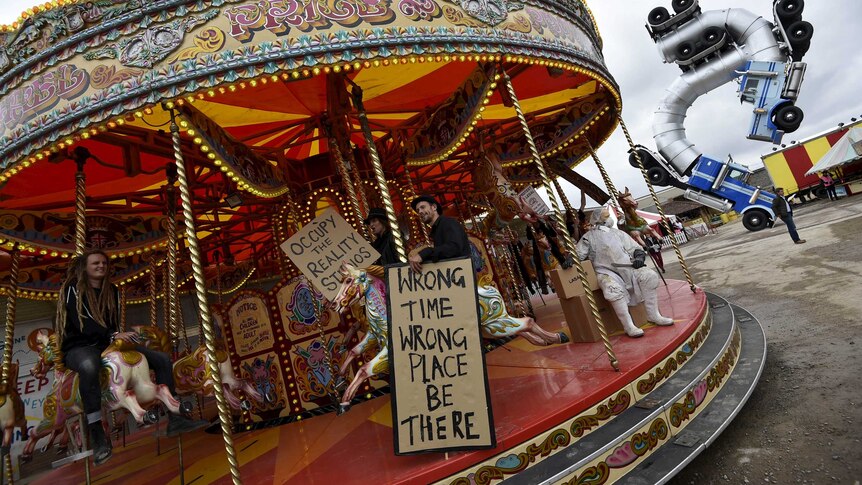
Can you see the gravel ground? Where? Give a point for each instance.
(803, 423)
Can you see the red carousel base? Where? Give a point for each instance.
(534, 391)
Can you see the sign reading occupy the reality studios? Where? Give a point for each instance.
(321, 245)
(437, 368)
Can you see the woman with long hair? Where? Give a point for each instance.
(87, 321)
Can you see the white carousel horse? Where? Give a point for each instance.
(125, 378)
(192, 374)
(495, 322)
(11, 410)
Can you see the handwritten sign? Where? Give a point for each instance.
(319, 248)
(437, 368)
(531, 197)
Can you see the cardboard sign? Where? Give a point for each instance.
(440, 397)
(320, 246)
(531, 197)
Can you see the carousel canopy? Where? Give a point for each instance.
(261, 99)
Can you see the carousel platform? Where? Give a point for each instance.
(561, 413)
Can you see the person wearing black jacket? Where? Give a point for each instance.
(87, 321)
(449, 238)
(383, 243)
(782, 209)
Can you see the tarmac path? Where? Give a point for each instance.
(803, 423)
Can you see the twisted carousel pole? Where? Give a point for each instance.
(567, 240)
(382, 186)
(420, 224)
(80, 156)
(171, 293)
(203, 306)
(11, 300)
(562, 194)
(605, 177)
(658, 207)
(540, 164)
(123, 308)
(154, 306)
(346, 181)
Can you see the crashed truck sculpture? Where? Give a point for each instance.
(713, 48)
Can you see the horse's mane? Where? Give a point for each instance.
(375, 271)
(53, 351)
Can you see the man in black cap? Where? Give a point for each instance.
(450, 239)
(379, 225)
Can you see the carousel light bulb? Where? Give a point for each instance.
(190, 132)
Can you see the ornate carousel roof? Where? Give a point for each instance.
(263, 91)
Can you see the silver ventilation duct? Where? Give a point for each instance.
(755, 41)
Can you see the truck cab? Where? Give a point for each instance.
(724, 185)
(720, 185)
(772, 87)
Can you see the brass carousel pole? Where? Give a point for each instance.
(562, 194)
(353, 169)
(123, 308)
(664, 220)
(171, 293)
(11, 299)
(605, 177)
(567, 241)
(203, 306)
(346, 181)
(154, 306)
(378, 172)
(80, 202)
(540, 164)
(419, 223)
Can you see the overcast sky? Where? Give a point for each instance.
(717, 122)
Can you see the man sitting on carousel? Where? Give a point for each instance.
(621, 270)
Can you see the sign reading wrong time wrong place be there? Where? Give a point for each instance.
(437, 368)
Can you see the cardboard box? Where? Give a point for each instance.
(582, 325)
(567, 282)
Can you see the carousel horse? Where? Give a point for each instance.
(495, 322)
(125, 380)
(11, 410)
(192, 374)
(634, 224)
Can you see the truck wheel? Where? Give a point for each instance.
(685, 51)
(658, 176)
(789, 10)
(712, 36)
(658, 16)
(798, 33)
(788, 118)
(755, 220)
(680, 6)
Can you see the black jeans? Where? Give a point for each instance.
(87, 362)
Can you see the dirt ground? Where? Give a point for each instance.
(803, 423)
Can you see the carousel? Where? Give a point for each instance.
(189, 140)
